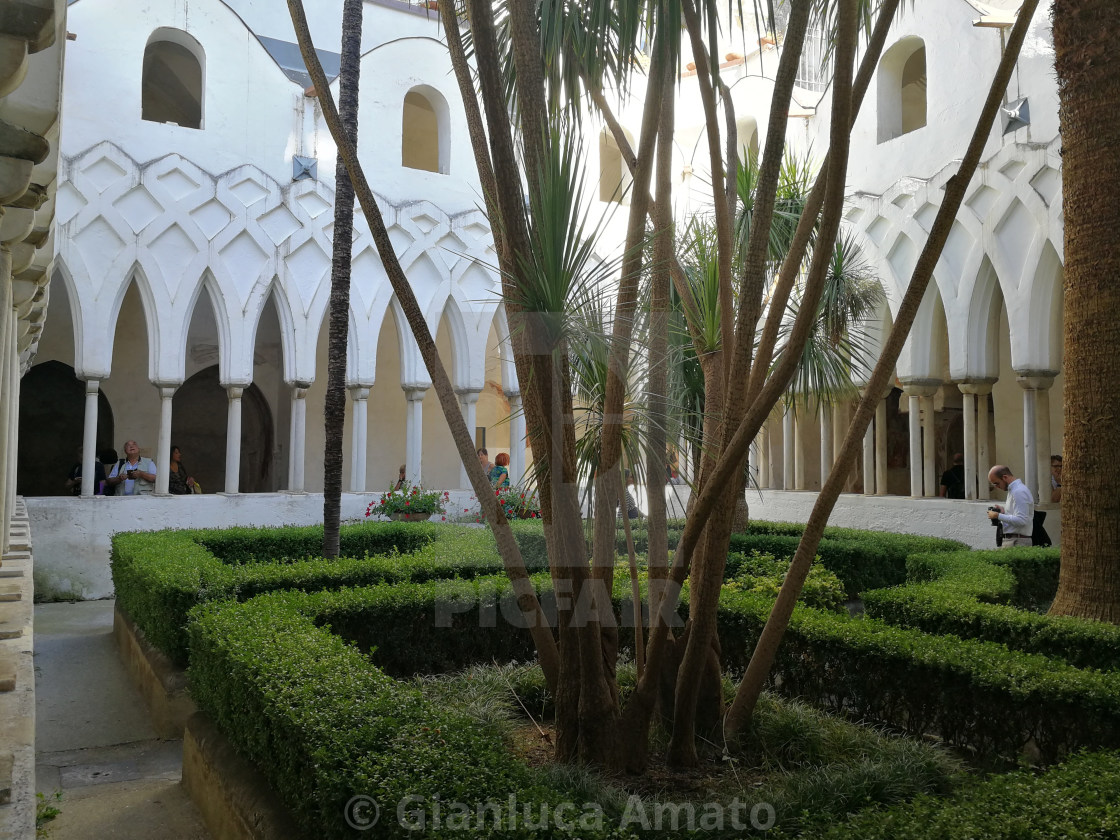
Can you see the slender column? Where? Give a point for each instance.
(1042, 419)
(89, 438)
(764, 480)
(869, 460)
(7, 454)
(233, 438)
(969, 402)
(359, 397)
(297, 440)
(517, 440)
(414, 433)
(915, 445)
(13, 418)
(881, 448)
(929, 446)
(840, 420)
(983, 456)
(468, 403)
(800, 467)
(788, 433)
(163, 445)
(1036, 430)
(826, 442)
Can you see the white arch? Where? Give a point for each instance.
(188, 43)
(137, 276)
(415, 153)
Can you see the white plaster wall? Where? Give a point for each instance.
(72, 535)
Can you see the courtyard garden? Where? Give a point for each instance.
(392, 692)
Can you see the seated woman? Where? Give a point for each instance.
(178, 482)
(499, 473)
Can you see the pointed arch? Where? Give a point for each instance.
(61, 274)
(981, 351)
(500, 323)
(137, 276)
(452, 314)
(280, 303)
(413, 373)
(1047, 309)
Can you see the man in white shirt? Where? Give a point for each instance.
(1018, 518)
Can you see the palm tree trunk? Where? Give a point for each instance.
(766, 650)
(1089, 88)
(334, 412)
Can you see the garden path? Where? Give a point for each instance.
(93, 739)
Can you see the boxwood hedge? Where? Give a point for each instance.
(987, 595)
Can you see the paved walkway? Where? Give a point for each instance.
(93, 739)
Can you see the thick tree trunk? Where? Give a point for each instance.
(1089, 92)
(334, 411)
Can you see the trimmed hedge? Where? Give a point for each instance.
(1077, 799)
(324, 725)
(159, 576)
(968, 594)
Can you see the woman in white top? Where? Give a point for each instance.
(133, 475)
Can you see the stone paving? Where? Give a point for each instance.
(94, 742)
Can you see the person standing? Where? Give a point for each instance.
(1018, 518)
(952, 480)
(178, 482)
(133, 475)
(499, 473)
(74, 480)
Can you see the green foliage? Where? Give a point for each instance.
(160, 576)
(762, 574)
(46, 809)
(1074, 800)
(972, 595)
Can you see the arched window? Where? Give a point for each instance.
(425, 140)
(173, 81)
(902, 89)
(614, 174)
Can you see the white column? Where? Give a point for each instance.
(788, 434)
(7, 454)
(826, 442)
(881, 448)
(414, 433)
(799, 470)
(468, 402)
(929, 446)
(13, 417)
(163, 445)
(297, 439)
(89, 438)
(1042, 420)
(869, 460)
(983, 456)
(764, 480)
(915, 445)
(233, 438)
(969, 404)
(840, 421)
(359, 397)
(517, 444)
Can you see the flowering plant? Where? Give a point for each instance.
(409, 499)
(518, 503)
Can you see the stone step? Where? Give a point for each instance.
(11, 573)
(7, 676)
(10, 593)
(10, 630)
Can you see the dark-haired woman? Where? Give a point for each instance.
(178, 482)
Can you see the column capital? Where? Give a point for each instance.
(93, 386)
(298, 384)
(358, 392)
(415, 394)
(920, 387)
(166, 392)
(235, 392)
(513, 396)
(978, 387)
(1035, 380)
(468, 395)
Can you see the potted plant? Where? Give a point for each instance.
(518, 503)
(409, 504)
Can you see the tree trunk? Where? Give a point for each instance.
(334, 412)
(1089, 93)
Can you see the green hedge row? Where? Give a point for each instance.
(324, 725)
(1074, 801)
(159, 576)
(978, 695)
(863, 560)
(968, 594)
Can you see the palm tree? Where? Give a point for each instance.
(1084, 33)
(334, 412)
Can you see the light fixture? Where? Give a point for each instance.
(304, 168)
(1015, 115)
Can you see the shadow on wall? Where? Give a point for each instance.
(51, 421)
(198, 428)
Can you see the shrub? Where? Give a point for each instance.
(410, 500)
(763, 574)
(1074, 800)
(968, 594)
